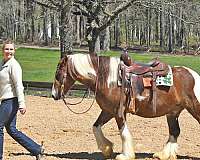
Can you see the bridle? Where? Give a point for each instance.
(62, 84)
(84, 96)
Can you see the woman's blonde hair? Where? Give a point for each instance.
(8, 41)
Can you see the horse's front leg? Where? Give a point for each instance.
(127, 140)
(103, 143)
(171, 147)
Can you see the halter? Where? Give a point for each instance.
(84, 96)
(62, 84)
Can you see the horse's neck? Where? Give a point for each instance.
(89, 83)
(92, 69)
(84, 70)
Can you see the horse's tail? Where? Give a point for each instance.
(196, 84)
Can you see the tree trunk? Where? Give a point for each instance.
(78, 30)
(53, 27)
(157, 27)
(181, 29)
(66, 28)
(162, 25)
(148, 26)
(94, 44)
(170, 47)
(45, 31)
(97, 45)
(29, 20)
(32, 28)
(117, 32)
(126, 28)
(106, 39)
(19, 15)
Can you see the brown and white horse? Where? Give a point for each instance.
(100, 73)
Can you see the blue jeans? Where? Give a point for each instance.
(8, 116)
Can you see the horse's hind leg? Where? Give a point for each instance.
(127, 141)
(170, 149)
(103, 143)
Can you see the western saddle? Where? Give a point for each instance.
(131, 74)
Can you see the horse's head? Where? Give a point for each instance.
(63, 79)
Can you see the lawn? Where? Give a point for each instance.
(37, 64)
(174, 60)
(40, 64)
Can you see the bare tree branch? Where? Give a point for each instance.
(171, 14)
(45, 5)
(118, 10)
(84, 12)
(54, 3)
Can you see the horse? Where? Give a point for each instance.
(100, 74)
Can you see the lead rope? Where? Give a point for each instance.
(95, 93)
(84, 96)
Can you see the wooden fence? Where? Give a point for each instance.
(31, 85)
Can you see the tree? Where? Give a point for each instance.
(169, 25)
(98, 18)
(63, 7)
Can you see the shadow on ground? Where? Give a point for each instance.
(97, 155)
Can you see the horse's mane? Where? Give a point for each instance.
(81, 64)
(92, 64)
(106, 68)
(62, 63)
(103, 70)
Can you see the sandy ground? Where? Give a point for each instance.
(69, 136)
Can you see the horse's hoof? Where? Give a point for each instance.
(163, 156)
(107, 151)
(124, 157)
(160, 155)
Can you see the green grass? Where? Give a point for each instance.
(37, 64)
(192, 62)
(40, 64)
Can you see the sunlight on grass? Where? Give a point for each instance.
(40, 64)
(174, 60)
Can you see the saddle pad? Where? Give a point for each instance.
(161, 80)
(165, 80)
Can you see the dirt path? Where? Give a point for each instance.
(69, 136)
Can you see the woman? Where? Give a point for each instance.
(12, 100)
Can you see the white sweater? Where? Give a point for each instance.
(11, 81)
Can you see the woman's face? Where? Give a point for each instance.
(8, 51)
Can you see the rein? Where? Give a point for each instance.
(84, 96)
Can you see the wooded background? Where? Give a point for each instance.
(156, 25)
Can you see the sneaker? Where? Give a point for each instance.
(39, 156)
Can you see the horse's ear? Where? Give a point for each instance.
(65, 59)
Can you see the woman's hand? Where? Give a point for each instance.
(22, 110)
